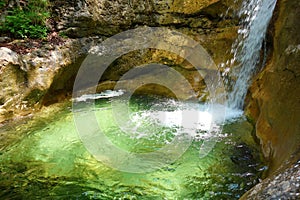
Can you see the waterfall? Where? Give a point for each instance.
(256, 15)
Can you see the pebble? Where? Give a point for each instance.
(284, 185)
(4, 39)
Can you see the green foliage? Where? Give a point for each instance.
(63, 34)
(2, 4)
(28, 20)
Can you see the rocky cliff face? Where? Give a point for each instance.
(38, 77)
(26, 79)
(275, 105)
(275, 94)
(104, 17)
(211, 22)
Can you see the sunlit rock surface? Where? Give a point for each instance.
(275, 97)
(283, 185)
(46, 75)
(26, 79)
(105, 17)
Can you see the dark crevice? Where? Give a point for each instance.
(291, 71)
(2, 101)
(62, 85)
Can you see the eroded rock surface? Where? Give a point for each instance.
(275, 93)
(105, 17)
(283, 184)
(26, 79)
(45, 75)
(275, 100)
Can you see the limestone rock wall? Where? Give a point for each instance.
(211, 22)
(275, 94)
(81, 18)
(274, 104)
(40, 77)
(26, 79)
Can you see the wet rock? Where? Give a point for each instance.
(243, 155)
(275, 94)
(274, 104)
(12, 79)
(283, 184)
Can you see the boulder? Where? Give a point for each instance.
(26, 79)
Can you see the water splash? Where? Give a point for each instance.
(102, 95)
(256, 15)
(50, 160)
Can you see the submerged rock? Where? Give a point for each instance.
(283, 184)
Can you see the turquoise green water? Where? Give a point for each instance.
(44, 158)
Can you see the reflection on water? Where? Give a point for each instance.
(50, 161)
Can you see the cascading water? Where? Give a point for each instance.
(256, 16)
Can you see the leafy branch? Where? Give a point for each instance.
(26, 19)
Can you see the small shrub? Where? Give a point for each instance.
(2, 4)
(27, 21)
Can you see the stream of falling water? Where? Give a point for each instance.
(256, 15)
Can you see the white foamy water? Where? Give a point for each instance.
(102, 95)
(199, 120)
(164, 120)
(188, 119)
